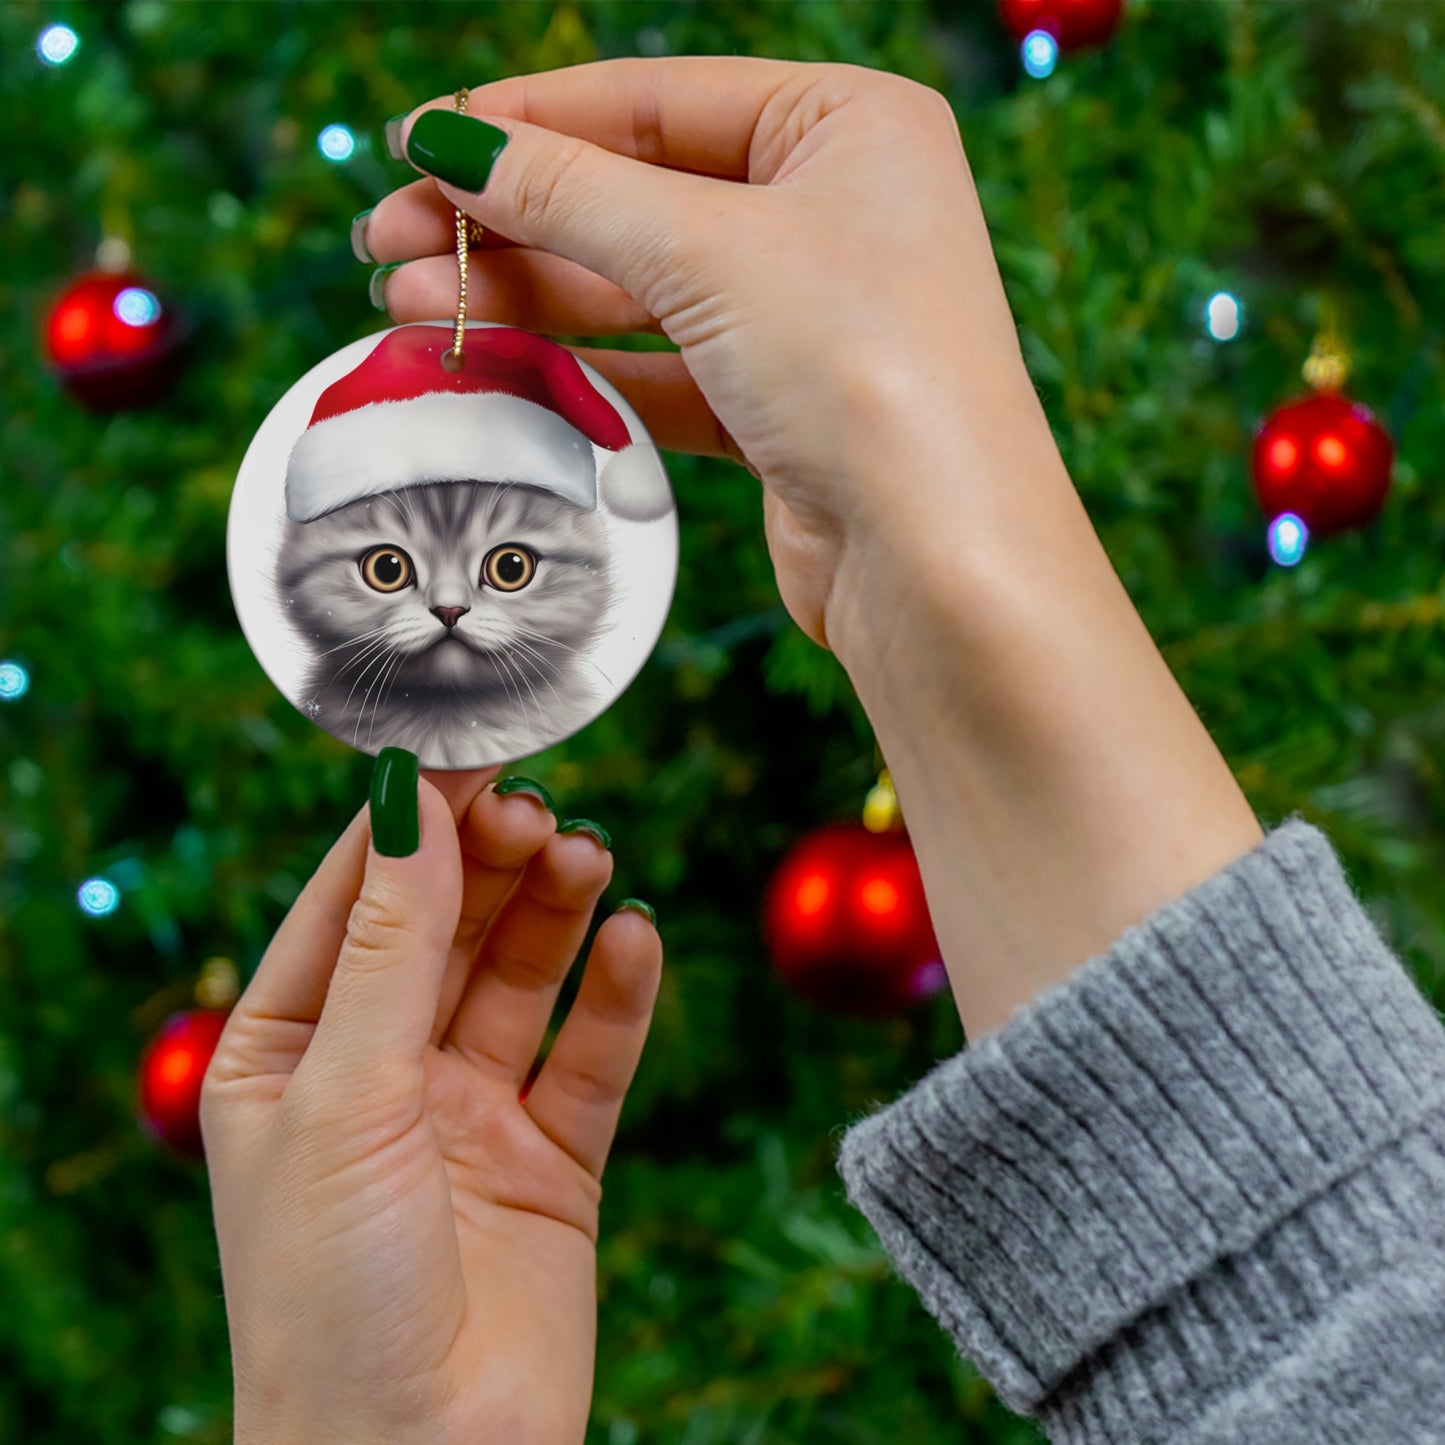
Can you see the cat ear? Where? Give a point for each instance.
(634, 486)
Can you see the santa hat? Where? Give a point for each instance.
(521, 410)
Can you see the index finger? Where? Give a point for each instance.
(695, 113)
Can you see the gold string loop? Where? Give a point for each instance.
(468, 230)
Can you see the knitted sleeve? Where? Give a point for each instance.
(1195, 1193)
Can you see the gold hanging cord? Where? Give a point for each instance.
(467, 231)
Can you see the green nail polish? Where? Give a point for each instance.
(392, 132)
(359, 247)
(455, 148)
(395, 824)
(636, 905)
(586, 825)
(526, 785)
(376, 287)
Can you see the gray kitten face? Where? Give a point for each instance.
(447, 616)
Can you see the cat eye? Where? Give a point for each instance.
(387, 569)
(509, 568)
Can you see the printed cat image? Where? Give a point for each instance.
(452, 619)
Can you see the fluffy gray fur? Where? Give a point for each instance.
(511, 676)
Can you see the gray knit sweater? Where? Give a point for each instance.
(1196, 1192)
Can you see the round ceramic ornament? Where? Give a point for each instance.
(470, 562)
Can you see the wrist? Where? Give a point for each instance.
(1057, 784)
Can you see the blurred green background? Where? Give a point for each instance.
(1287, 153)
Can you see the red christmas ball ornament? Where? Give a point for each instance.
(847, 923)
(1073, 23)
(171, 1071)
(112, 341)
(1324, 458)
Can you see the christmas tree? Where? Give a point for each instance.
(1179, 214)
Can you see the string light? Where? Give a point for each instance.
(1288, 537)
(137, 307)
(14, 681)
(1040, 52)
(57, 44)
(336, 143)
(1223, 316)
(98, 897)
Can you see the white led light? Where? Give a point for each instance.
(57, 44)
(1040, 53)
(336, 143)
(137, 307)
(14, 681)
(1223, 316)
(1288, 537)
(98, 897)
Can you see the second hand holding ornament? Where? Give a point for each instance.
(457, 539)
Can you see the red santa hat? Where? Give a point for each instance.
(521, 410)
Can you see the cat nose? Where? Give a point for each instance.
(449, 615)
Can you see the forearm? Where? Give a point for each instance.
(1056, 782)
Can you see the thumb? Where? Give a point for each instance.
(634, 224)
(382, 999)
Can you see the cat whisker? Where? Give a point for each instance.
(553, 642)
(366, 697)
(369, 651)
(528, 653)
(383, 687)
(379, 657)
(513, 662)
(352, 641)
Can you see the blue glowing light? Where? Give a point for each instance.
(137, 307)
(57, 44)
(98, 897)
(336, 143)
(14, 681)
(1223, 316)
(1288, 537)
(1040, 53)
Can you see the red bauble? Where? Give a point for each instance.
(171, 1071)
(1073, 23)
(1324, 458)
(847, 923)
(112, 341)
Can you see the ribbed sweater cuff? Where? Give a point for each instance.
(1167, 1152)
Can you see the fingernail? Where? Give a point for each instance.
(586, 825)
(636, 905)
(526, 785)
(455, 148)
(395, 821)
(359, 248)
(393, 136)
(376, 287)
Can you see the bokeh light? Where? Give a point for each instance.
(137, 307)
(14, 681)
(336, 143)
(57, 44)
(1288, 537)
(1223, 316)
(1040, 53)
(98, 897)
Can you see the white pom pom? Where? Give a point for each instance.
(634, 485)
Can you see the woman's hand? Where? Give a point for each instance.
(810, 237)
(408, 1247)
(836, 309)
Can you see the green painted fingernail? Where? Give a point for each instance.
(455, 148)
(395, 820)
(376, 289)
(636, 905)
(526, 785)
(359, 248)
(586, 825)
(393, 136)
